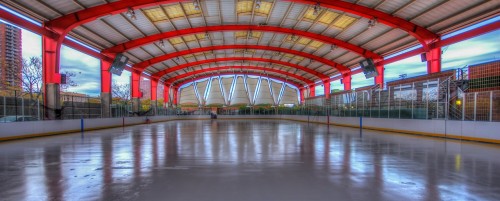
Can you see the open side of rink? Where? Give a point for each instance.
(247, 160)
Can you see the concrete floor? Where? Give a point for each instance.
(246, 160)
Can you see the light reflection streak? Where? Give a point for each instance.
(378, 162)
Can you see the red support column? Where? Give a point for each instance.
(347, 82)
(135, 83)
(175, 98)
(312, 91)
(51, 55)
(326, 86)
(154, 94)
(434, 60)
(154, 89)
(380, 78)
(166, 95)
(302, 92)
(105, 77)
(51, 77)
(106, 97)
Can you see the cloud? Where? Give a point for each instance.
(123, 79)
(477, 50)
(481, 49)
(88, 88)
(31, 44)
(86, 68)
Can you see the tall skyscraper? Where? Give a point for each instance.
(10, 56)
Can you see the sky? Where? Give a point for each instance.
(480, 49)
(86, 68)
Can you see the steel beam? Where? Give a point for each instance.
(208, 70)
(312, 90)
(135, 84)
(302, 92)
(326, 87)
(154, 89)
(295, 84)
(66, 23)
(424, 36)
(183, 66)
(143, 65)
(380, 78)
(105, 77)
(166, 35)
(166, 95)
(434, 60)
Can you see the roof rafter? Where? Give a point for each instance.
(176, 68)
(424, 36)
(193, 73)
(293, 83)
(143, 65)
(66, 23)
(150, 39)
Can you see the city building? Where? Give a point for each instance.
(10, 56)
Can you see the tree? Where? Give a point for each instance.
(70, 82)
(122, 92)
(28, 79)
(31, 77)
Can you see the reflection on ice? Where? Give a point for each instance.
(195, 160)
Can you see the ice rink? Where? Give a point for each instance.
(247, 160)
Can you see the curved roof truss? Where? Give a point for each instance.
(143, 65)
(160, 74)
(293, 83)
(240, 68)
(66, 23)
(166, 35)
(424, 36)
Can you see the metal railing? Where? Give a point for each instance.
(429, 99)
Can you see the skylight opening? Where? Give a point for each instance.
(344, 21)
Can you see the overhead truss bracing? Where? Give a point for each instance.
(251, 73)
(205, 30)
(323, 37)
(271, 62)
(237, 69)
(266, 91)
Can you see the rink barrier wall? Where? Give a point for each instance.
(462, 130)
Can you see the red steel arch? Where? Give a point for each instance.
(152, 38)
(66, 23)
(192, 73)
(183, 66)
(293, 83)
(143, 65)
(423, 35)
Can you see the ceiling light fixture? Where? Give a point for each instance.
(207, 36)
(162, 44)
(372, 23)
(333, 48)
(131, 14)
(257, 4)
(317, 9)
(196, 5)
(177, 59)
(293, 37)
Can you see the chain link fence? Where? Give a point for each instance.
(468, 94)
